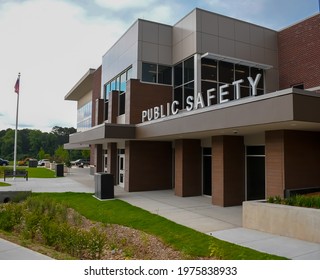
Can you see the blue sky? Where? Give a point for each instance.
(54, 42)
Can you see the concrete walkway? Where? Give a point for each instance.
(194, 212)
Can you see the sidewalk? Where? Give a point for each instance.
(195, 212)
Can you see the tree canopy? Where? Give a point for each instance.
(33, 143)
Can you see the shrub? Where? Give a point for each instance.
(298, 200)
(10, 216)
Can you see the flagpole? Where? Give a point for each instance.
(17, 89)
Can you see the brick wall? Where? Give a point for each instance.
(274, 163)
(292, 160)
(299, 49)
(142, 96)
(188, 167)
(228, 170)
(148, 166)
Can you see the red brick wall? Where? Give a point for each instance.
(148, 166)
(302, 159)
(142, 96)
(274, 163)
(228, 170)
(299, 54)
(188, 167)
(292, 160)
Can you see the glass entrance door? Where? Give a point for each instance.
(121, 170)
(106, 162)
(206, 171)
(255, 172)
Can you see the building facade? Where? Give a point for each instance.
(209, 106)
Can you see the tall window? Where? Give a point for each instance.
(156, 73)
(84, 117)
(218, 73)
(119, 84)
(184, 81)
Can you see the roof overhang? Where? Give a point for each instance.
(236, 61)
(293, 109)
(103, 133)
(82, 87)
(69, 146)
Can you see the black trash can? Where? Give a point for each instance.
(59, 170)
(104, 185)
(33, 163)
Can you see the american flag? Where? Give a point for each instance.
(17, 85)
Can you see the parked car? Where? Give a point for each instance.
(4, 162)
(80, 162)
(42, 162)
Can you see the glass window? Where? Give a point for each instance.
(118, 83)
(107, 91)
(129, 73)
(242, 72)
(178, 75)
(209, 70)
(122, 103)
(149, 72)
(189, 70)
(184, 81)
(226, 72)
(106, 110)
(113, 85)
(164, 75)
(84, 117)
(178, 96)
(255, 150)
(188, 91)
(123, 82)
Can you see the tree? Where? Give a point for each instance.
(7, 144)
(61, 155)
(62, 134)
(32, 142)
(35, 140)
(85, 154)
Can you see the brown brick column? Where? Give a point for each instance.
(292, 160)
(188, 167)
(113, 106)
(148, 165)
(99, 158)
(228, 170)
(112, 161)
(274, 163)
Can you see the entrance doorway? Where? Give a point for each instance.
(106, 162)
(121, 168)
(206, 171)
(255, 172)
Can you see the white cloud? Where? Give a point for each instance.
(124, 4)
(52, 43)
(163, 14)
(243, 9)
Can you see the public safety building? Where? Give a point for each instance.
(210, 106)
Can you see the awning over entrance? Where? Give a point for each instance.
(102, 133)
(235, 60)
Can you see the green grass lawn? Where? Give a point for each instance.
(2, 184)
(184, 239)
(38, 172)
